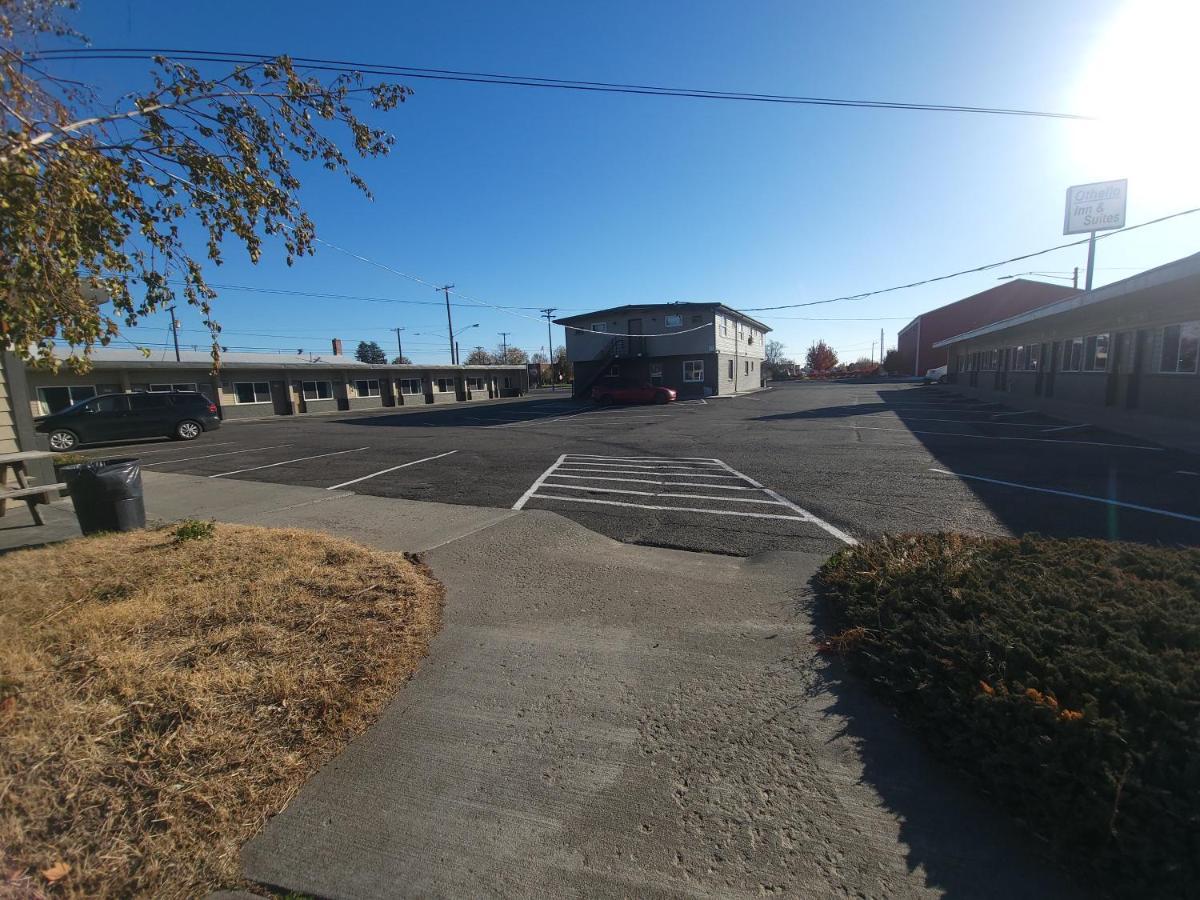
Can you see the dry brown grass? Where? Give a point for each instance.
(159, 699)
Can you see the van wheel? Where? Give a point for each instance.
(62, 440)
(188, 430)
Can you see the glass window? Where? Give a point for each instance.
(252, 392)
(693, 370)
(1096, 357)
(445, 385)
(367, 387)
(108, 403)
(410, 386)
(157, 400)
(317, 390)
(673, 321)
(167, 388)
(731, 370)
(56, 399)
(1180, 347)
(1073, 355)
(747, 372)
(475, 382)
(656, 371)
(599, 326)
(724, 326)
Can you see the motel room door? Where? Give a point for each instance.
(637, 343)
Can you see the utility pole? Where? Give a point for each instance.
(881, 346)
(1091, 263)
(399, 349)
(504, 342)
(174, 331)
(549, 314)
(445, 289)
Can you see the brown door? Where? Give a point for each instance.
(279, 398)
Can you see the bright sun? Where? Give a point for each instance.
(1142, 79)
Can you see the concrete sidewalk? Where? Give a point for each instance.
(609, 720)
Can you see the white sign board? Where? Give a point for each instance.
(1095, 207)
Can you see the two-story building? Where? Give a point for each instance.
(699, 349)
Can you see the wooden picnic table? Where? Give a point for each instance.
(30, 493)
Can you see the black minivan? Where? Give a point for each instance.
(183, 415)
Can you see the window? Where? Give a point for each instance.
(731, 370)
(600, 326)
(1033, 357)
(1072, 360)
(252, 391)
(693, 370)
(747, 372)
(445, 385)
(168, 388)
(656, 371)
(317, 390)
(475, 382)
(673, 321)
(108, 404)
(724, 326)
(1095, 357)
(410, 386)
(55, 399)
(1180, 347)
(750, 337)
(366, 387)
(508, 381)
(157, 400)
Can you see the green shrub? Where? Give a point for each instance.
(194, 530)
(1062, 675)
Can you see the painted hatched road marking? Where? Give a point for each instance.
(167, 462)
(669, 471)
(414, 462)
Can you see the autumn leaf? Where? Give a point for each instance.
(56, 872)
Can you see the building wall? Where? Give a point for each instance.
(8, 422)
(916, 340)
(1131, 377)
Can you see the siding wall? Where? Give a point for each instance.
(8, 424)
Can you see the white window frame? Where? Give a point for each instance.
(405, 382)
(476, 383)
(438, 385)
(724, 327)
(254, 389)
(1194, 328)
(371, 392)
(71, 388)
(315, 393)
(1069, 346)
(697, 375)
(672, 320)
(600, 327)
(173, 388)
(1091, 350)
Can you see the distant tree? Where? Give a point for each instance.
(515, 356)
(562, 365)
(370, 352)
(895, 362)
(820, 357)
(401, 361)
(538, 357)
(480, 357)
(109, 209)
(773, 352)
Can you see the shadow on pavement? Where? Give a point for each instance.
(466, 414)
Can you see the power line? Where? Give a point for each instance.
(983, 268)
(534, 81)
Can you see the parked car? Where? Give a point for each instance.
(632, 392)
(938, 375)
(184, 415)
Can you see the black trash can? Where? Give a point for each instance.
(107, 495)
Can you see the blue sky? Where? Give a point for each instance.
(541, 198)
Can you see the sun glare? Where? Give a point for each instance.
(1141, 79)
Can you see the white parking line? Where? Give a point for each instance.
(660, 467)
(125, 448)
(958, 421)
(385, 471)
(585, 487)
(1107, 501)
(1066, 428)
(538, 483)
(1019, 412)
(642, 471)
(699, 460)
(989, 437)
(1186, 472)
(167, 462)
(687, 509)
(284, 462)
(690, 484)
(816, 520)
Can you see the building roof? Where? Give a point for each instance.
(1018, 290)
(679, 305)
(1188, 267)
(121, 357)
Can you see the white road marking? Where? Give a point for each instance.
(575, 468)
(175, 448)
(1186, 472)
(286, 461)
(655, 467)
(167, 462)
(988, 437)
(705, 460)
(955, 421)
(1019, 412)
(538, 483)
(1041, 490)
(385, 471)
(690, 484)
(816, 520)
(600, 490)
(1066, 428)
(687, 509)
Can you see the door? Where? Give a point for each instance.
(282, 405)
(103, 418)
(1120, 368)
(150, 415)
(1050, 364)
(637, 344)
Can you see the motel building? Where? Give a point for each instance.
(1124, 355)
(257, 385)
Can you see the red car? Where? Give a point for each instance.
(631, 392)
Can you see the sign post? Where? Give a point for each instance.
(1095, 207)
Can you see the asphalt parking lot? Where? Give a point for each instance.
(798, 467)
